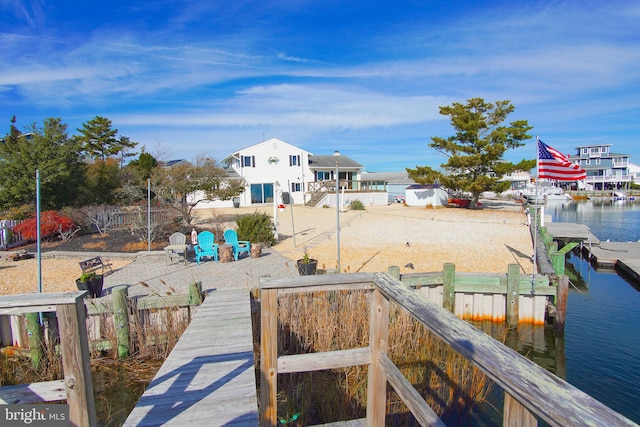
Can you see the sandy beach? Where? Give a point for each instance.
(414, 239)
(484, 240)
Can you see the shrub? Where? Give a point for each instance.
(256, 227)
(19, 213)
(51, 222)
(357, 205)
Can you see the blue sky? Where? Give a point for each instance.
(365, 78)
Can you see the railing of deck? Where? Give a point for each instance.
(77, 386)
(347, 185)
(530, 390)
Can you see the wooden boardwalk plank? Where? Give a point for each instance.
(361, 422)
(209, 378)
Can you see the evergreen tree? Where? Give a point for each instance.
(126, 146)
(48, 150)
(475, 162)
(98, 138)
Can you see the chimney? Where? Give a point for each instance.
(336, 153)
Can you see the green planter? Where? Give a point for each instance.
(307, 268)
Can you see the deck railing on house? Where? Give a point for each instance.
(347, 185)
(316, 190)
(530, 391)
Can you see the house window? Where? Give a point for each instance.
(585, 151)
(323, 175)
(597, 161)
(295, 187)
(587, 162)
(262, 193)
(294, 160)
(248, 161)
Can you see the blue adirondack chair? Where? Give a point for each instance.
(231, 238)
(206, 246)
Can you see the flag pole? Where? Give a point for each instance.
(534, 258)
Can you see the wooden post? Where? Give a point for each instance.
(517, 415)
(394, 271)
(561, 303)
(195, 293)
(546, 240)
(268, 357)
(35, 335)
(557, 260)
(76, 363)
(121, 319)
(448, 287)
(378, 344)
(513, 295)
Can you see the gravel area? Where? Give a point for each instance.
(58, 274)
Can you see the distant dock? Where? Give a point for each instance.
(624, 256)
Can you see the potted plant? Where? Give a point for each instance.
(306, 265)
(91, 282)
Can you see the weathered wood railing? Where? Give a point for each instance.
(77, 386)
(115, 312)
(530, 391)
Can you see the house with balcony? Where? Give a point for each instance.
(276, 169)
(606, 170)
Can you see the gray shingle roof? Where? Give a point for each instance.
(318, 162)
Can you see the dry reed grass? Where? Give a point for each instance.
(327, 321)
(118, 383)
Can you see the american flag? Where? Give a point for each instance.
(552, 164)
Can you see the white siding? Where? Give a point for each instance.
(271, 163)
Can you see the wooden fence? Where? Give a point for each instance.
(530, 390)
(118, 218)
(8, 238)
(100, 217)
(512, 297)
(109, 321)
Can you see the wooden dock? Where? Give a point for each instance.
(568, 231)
(602, 254)
(209, 377)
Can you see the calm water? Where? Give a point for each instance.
(602, 335)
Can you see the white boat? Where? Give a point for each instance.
(546, 191)
(622, 196)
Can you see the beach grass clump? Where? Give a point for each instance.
(357, 205)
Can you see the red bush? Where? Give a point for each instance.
(50, 222)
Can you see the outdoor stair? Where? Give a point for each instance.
(315, 198)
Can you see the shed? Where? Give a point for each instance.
(432, 195)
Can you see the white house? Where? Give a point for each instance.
(293, 175)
